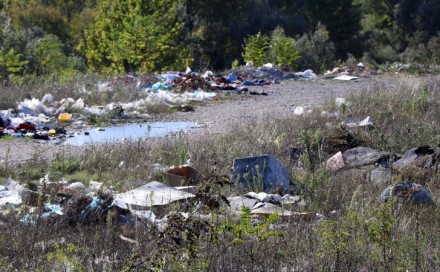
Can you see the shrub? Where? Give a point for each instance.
(283, 49)
(316, 50)
(256, 48)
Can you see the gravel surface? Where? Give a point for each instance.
(217, 118)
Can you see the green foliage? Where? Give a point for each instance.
(380, 231)
(283, 49)
(316, 50)
(342, 19)
(235, 64)
(256, 48)
(130, 36)
(38, 17)
(50, 59)
(10, 62)
(434, 49)
(66, 257)
(245, 229)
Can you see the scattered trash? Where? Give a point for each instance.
(407, 191)
(183, 176)
(263, 173)
(367, 122)
(75, 189)
(64, 117)
(345, 77)
(302, 110)
(341, 101)
(149, 195)
(267, 198)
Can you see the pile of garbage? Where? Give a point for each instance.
(74, 202)
(349, 72)
(48, 118)
(262, 184)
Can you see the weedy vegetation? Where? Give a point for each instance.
(359, 233)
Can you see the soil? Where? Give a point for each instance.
(217, 117)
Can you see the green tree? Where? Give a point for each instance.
(316, 50)
(342, 19)
(136, 35)
(49, 59)
(256, 48)
(10, 62)
(283, 49)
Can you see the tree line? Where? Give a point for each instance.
(61, 38)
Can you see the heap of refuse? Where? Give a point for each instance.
(349, 72)
(181, 191)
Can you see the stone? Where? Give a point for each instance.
(262, 173)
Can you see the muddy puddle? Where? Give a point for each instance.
(128, 132)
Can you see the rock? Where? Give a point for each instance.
(264, 173)
(339, 139)
(407, 191)
(362, 156)
(335, 163)
(423, 157)
(380, 175)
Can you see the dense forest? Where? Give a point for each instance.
(62, 38)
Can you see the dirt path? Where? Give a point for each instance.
(218, 117)
(283, 98)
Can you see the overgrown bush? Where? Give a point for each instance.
(283, 49)
(316, 50)
(256, 48)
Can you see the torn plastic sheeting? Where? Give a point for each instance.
(345, 77)
(93, 205)
(162, 97)
(94, 111)
(52, 209)
(11, 198)
(261, 172)
(79, 104)
(12, 185)
(237, 202)
(149, 195)
(157, 87)
(198, 95)
(144, 215)
(169, 77)
(341, 101)
(265, 197)
(368, 121)
(307, 74)
(269, 208)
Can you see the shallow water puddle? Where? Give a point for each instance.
(128, 132)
